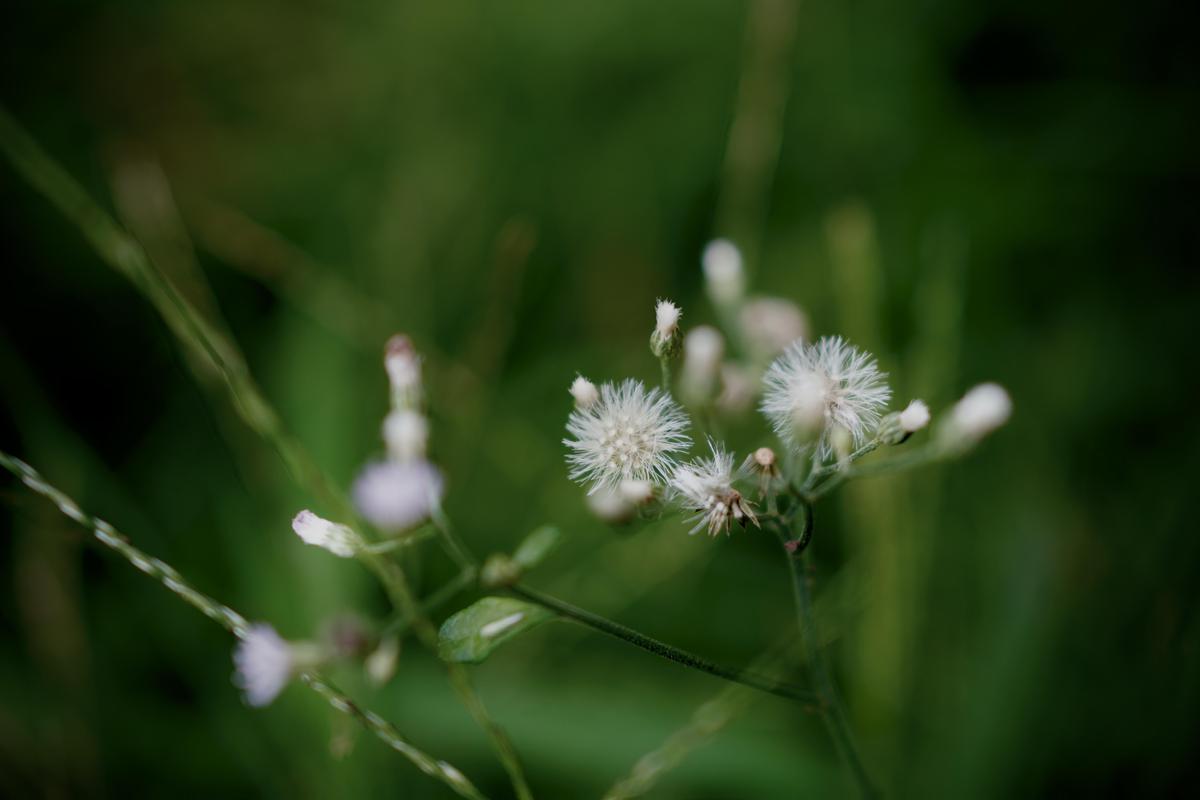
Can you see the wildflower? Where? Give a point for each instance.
(406, 433)
(610, 506)
(585, 393)
(770, 324)
(978, 413)
(762, 462)
(264, 662)
(702, 351)
(664, 341)
(631, 433)
(824, 386)
(705, 487)
(899, 425)
(337, 539)
(403, 366)
(639, 493)
(723, 274)
(396, 495)
(737, 388)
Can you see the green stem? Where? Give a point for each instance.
(661, 649)
(665, 365)
(830, 703)
(235, 623)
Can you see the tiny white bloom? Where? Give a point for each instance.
(723, 273)
(403, 366)
(980, 411)
(264, 664)
(829, 382)
(396, 495)
(630, 433)
(585, 393)
(406, 434)
(610, 506)
(337, 539)
(914, 417)
(770, 324)
(666, 317)
(705, 487)
(703, 348)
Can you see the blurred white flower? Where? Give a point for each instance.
(585, 393)
(769, 324)
(637, 492)
(610, 506)
(403, 366)
(914, 417)
(738, 386)
(705, 487)
(980, 411)
(703, 348)
(338, 539)
(723, 273)
(630, 433)
(264, 664)
(829, 384)
(396, 495)
(406, 434)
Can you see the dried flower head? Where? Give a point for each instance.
(631, 433)
(824, 386)
(723, 273)
(762, 463)
(705, 487)
(338, 539)
(585, 393)
(396, 495)
(264, 664)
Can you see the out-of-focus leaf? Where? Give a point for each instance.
(472, 634)
(536, 546)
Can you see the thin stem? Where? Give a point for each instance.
(914, 458)
(389, 545)
(830, 703)
(434, 601)
(235, 623)
(665, 365)
(661, 649)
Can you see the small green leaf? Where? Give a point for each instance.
(472, 634)
(537, 546)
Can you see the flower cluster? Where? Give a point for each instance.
(826, 399)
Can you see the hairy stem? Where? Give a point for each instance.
(661, 649)
(829, 702)
(236, 624)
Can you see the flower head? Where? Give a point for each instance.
(770, 324)
(979, 412)
(822, 386)
(631, 433)
(703, 348)
(705, 487)
(264, 663)
(723, 274)
(584, 391)
(914, 417)
(664, 341)
(337, 539)
(396, 495)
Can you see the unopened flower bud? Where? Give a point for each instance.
(499, 571)
(841, 440)
(585, 393)
(638, 493)
(762, 462)
(403, 366)
(338, 539)
(609, 506)
(380, 665)
(702, 351)
(406, 434)
(664, 341)
(978, 413)
(896, 427)
(723, 274)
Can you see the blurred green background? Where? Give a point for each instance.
(971, 190)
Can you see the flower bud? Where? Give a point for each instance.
(638, 493)
(403, 366)
(338, 539)
(499, 571)
(664, 341)
(381, 663)
(770, 324)
(585, 393)
(896, 427)
(979, 412)
(724, 277)
(609, 506)
(702, 351)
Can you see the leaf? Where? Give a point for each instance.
(472, 634)
(537, 546)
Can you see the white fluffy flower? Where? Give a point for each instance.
(914, 417)
(337, 539)
(406, 434)
(723, 273)
(705, 487)
(395, 495)
(610, 506)
(584, 391)
(264, 664)
(978, 413)
(631, 433)
(666, 319)
(703, 348)
(829, 384)
(769, 324)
